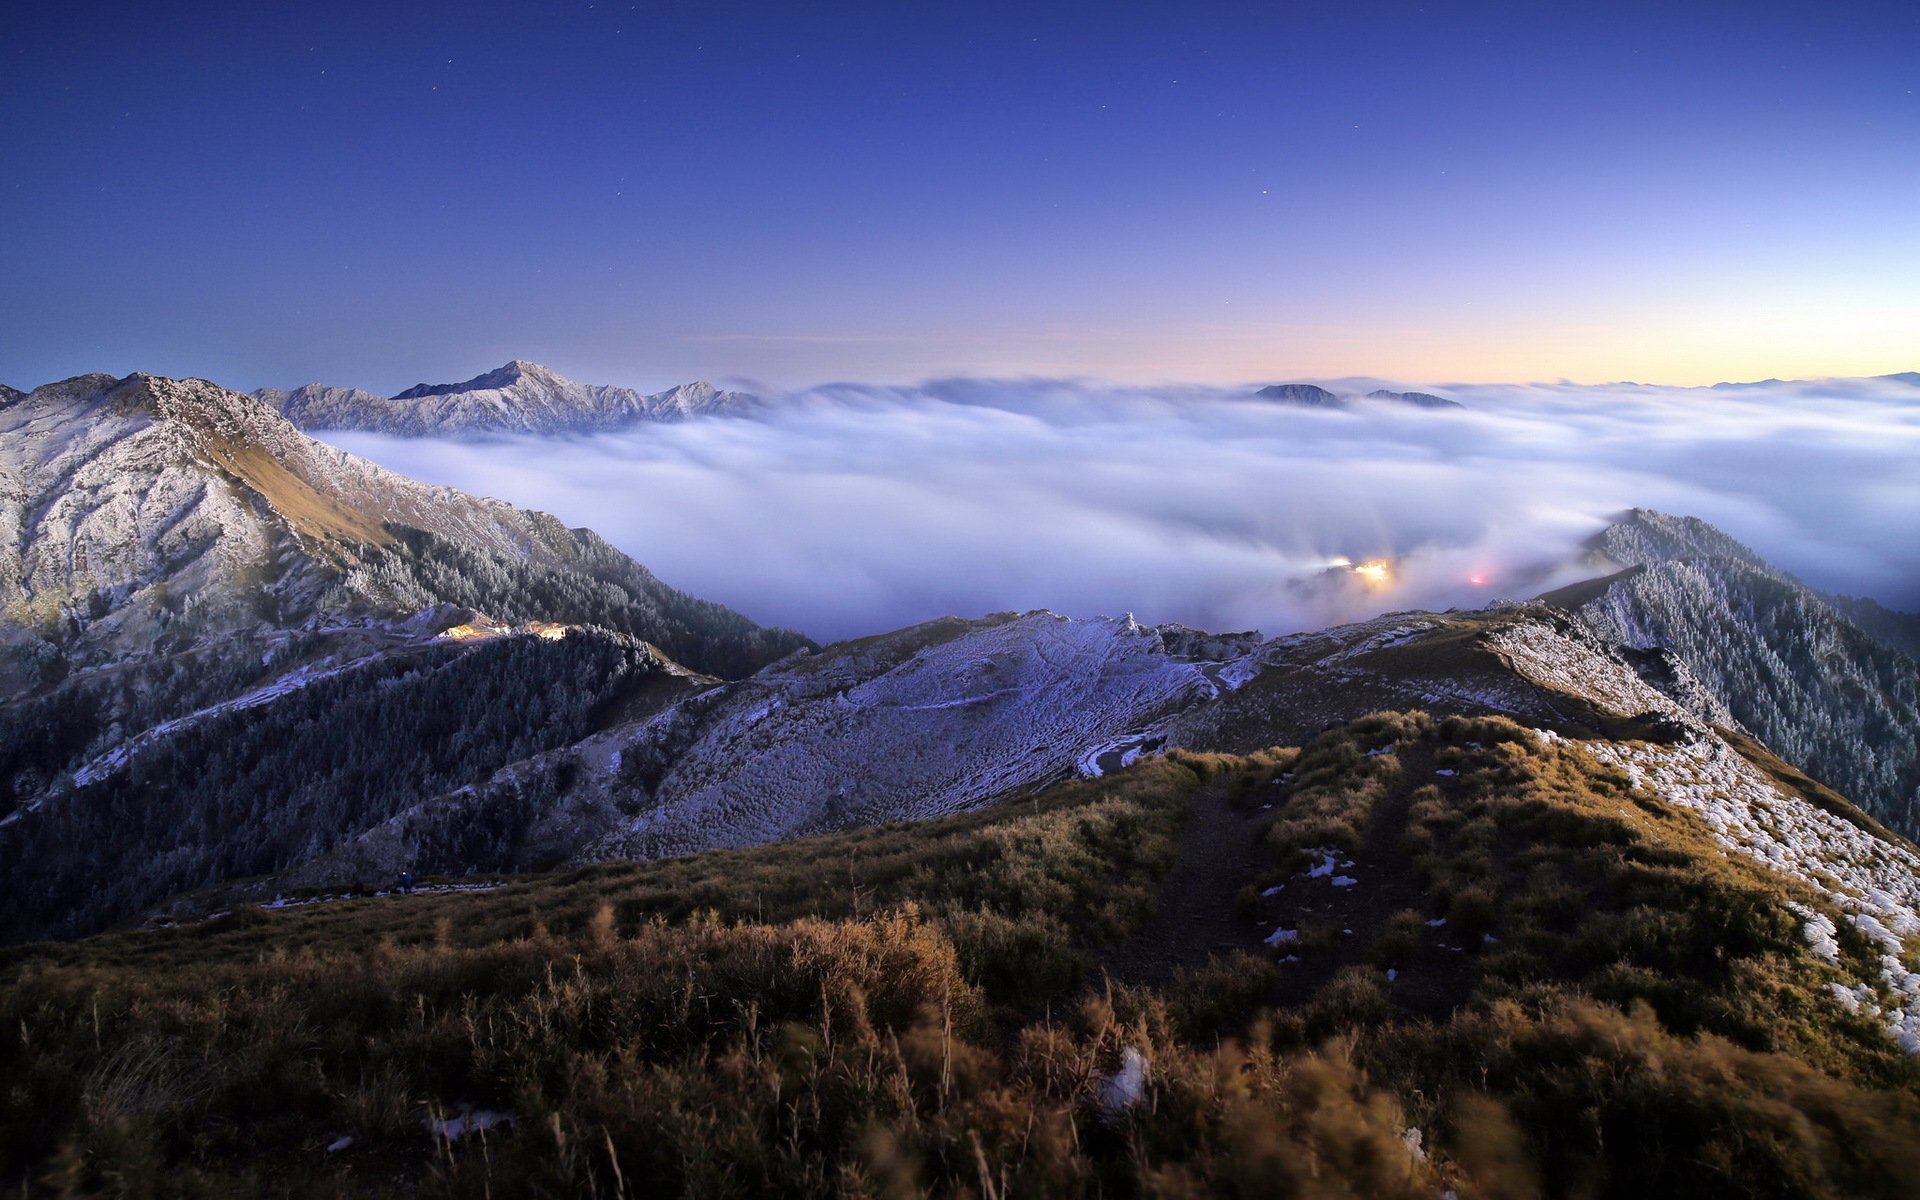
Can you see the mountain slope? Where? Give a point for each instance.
(955, 715)
(1304, 395)
(1900, 630)
(144, 509)
(520, 397)
(1469, 956)
(1792, 667)
(266, 781)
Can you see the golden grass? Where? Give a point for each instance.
(310, 511)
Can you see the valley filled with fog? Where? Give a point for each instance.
(849, 509)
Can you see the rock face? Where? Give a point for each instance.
(520, 397)
(1308, 395)
(1788, 662)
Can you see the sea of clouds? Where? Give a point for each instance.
(850, 509)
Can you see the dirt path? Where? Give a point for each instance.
(1431, 979)
(1219, 854)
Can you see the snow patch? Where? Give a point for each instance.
(1124, 1088)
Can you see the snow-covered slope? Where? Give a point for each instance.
(957, 714)
(520, 397)
(1788, 663)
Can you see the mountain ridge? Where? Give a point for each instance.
(1791, 663)
(519, 397)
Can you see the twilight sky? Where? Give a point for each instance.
(378, 194)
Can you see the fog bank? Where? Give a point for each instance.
(852, 509)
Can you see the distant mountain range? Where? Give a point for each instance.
(520, 397)
(1308, 395)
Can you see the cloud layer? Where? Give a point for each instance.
(854, 509)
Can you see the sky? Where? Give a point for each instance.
(377, 194)
(845, 510)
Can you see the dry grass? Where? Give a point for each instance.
(907, 1011)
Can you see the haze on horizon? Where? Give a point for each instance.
(644, 193)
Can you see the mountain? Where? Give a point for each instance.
(520, 397)
(1307, 395)
(1789, 662)
(148, 512)
(10, 396)
(950, 716)
(173, 554)
(1912, 377)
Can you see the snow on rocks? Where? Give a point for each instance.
(1282, 936)
(468, 1120)
(1412, 1138)
(1124, 1088)
(1874, 883)
(1576, 662)
(1818, 929)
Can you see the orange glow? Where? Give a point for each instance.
(1375, 571)
(482, 629)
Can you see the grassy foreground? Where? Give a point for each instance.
(1587, 999)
